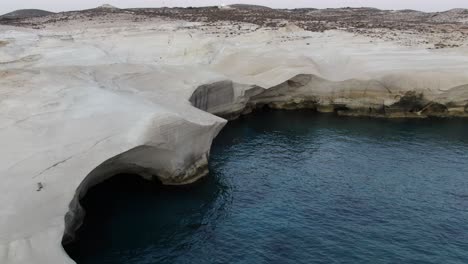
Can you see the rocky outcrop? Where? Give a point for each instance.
(372, 98)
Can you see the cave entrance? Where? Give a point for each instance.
(127, 207)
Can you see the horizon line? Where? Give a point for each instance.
(202, 6)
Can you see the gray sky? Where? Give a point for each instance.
(65, 5)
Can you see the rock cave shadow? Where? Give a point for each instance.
(303, 121)
(112, 206)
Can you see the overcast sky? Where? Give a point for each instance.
(64, 5)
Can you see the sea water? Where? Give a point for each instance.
(296, 187)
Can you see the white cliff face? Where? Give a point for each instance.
(81, 102)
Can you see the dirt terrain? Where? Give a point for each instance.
(408, 27)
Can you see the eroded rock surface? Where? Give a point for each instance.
(84, 99)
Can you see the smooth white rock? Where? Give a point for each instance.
(80, 103)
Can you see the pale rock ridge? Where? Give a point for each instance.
(82, 102)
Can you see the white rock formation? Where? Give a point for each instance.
(82, 102)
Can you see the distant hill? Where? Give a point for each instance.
(453, 15)
(26, 13)
(106, 6)
(407, 11)
(247, 6)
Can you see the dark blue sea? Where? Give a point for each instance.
(296, 187)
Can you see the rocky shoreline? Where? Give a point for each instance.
(303, 92)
